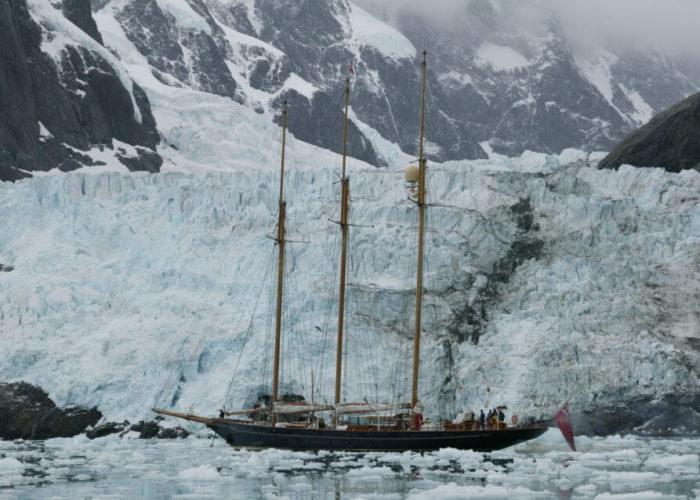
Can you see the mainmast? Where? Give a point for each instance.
(345, 189)
(421, 230)
(280, 264)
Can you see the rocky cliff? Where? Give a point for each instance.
(27, 412)
(671, 140)
(61, 95)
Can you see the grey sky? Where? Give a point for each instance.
(671, 25)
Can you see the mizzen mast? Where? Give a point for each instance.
(280, 264)
(345, 189)
(421, 229)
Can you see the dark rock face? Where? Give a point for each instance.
(671, 415)
(80, 102)
(547, 106)
(157, 36)
(78, 12)
(319, 121)
(107, 429)
(153, 430)
(147, 430)
(6, 269)
(470, 319)
(314, 41)
(671, 140)
(27, 412)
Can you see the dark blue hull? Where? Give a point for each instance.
(246, 435)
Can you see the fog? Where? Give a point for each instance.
(672, 26)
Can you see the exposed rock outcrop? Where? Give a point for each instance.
(146, 429)
(55, 110)
(671, 140)
(79, 13)
(153, 430)
(27, 412)
(180, 55)
(319, 121)
(670, 415)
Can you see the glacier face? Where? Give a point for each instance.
(545, 282)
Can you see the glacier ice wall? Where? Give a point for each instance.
(544, 283)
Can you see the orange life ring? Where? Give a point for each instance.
(514, 419)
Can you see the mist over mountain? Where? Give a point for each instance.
(504, 76)
(648, 24)
(545, 75)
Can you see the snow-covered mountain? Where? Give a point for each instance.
(494, 79)
(66, 101)
(497, 82)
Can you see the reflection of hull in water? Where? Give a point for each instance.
(246, 435)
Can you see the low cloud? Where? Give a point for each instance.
(669, 25)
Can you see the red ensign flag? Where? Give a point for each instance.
(564, 424)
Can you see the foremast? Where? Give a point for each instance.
(280, 266)
(343, 222)
(420, 200)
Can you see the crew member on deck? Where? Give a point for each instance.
(418, 410)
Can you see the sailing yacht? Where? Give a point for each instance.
(362, 426)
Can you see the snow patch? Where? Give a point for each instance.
(501, 58)
(453, 77)
(64, 33)
(185, 16)
(643, 112)
(368, 30)
(295, 82)
(596, 67)
(44, 134)
(385, 149)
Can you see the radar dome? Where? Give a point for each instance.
(412, 173)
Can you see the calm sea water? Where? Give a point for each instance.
(611, 468)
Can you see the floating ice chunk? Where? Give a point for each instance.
(453, 492)
(640, 495)
(675, 463)
(587, 490)
(371, 473)
(576, 472)
(10, 464)
(202, 473)
(631, 481)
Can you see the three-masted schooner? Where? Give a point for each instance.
(393, 426)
